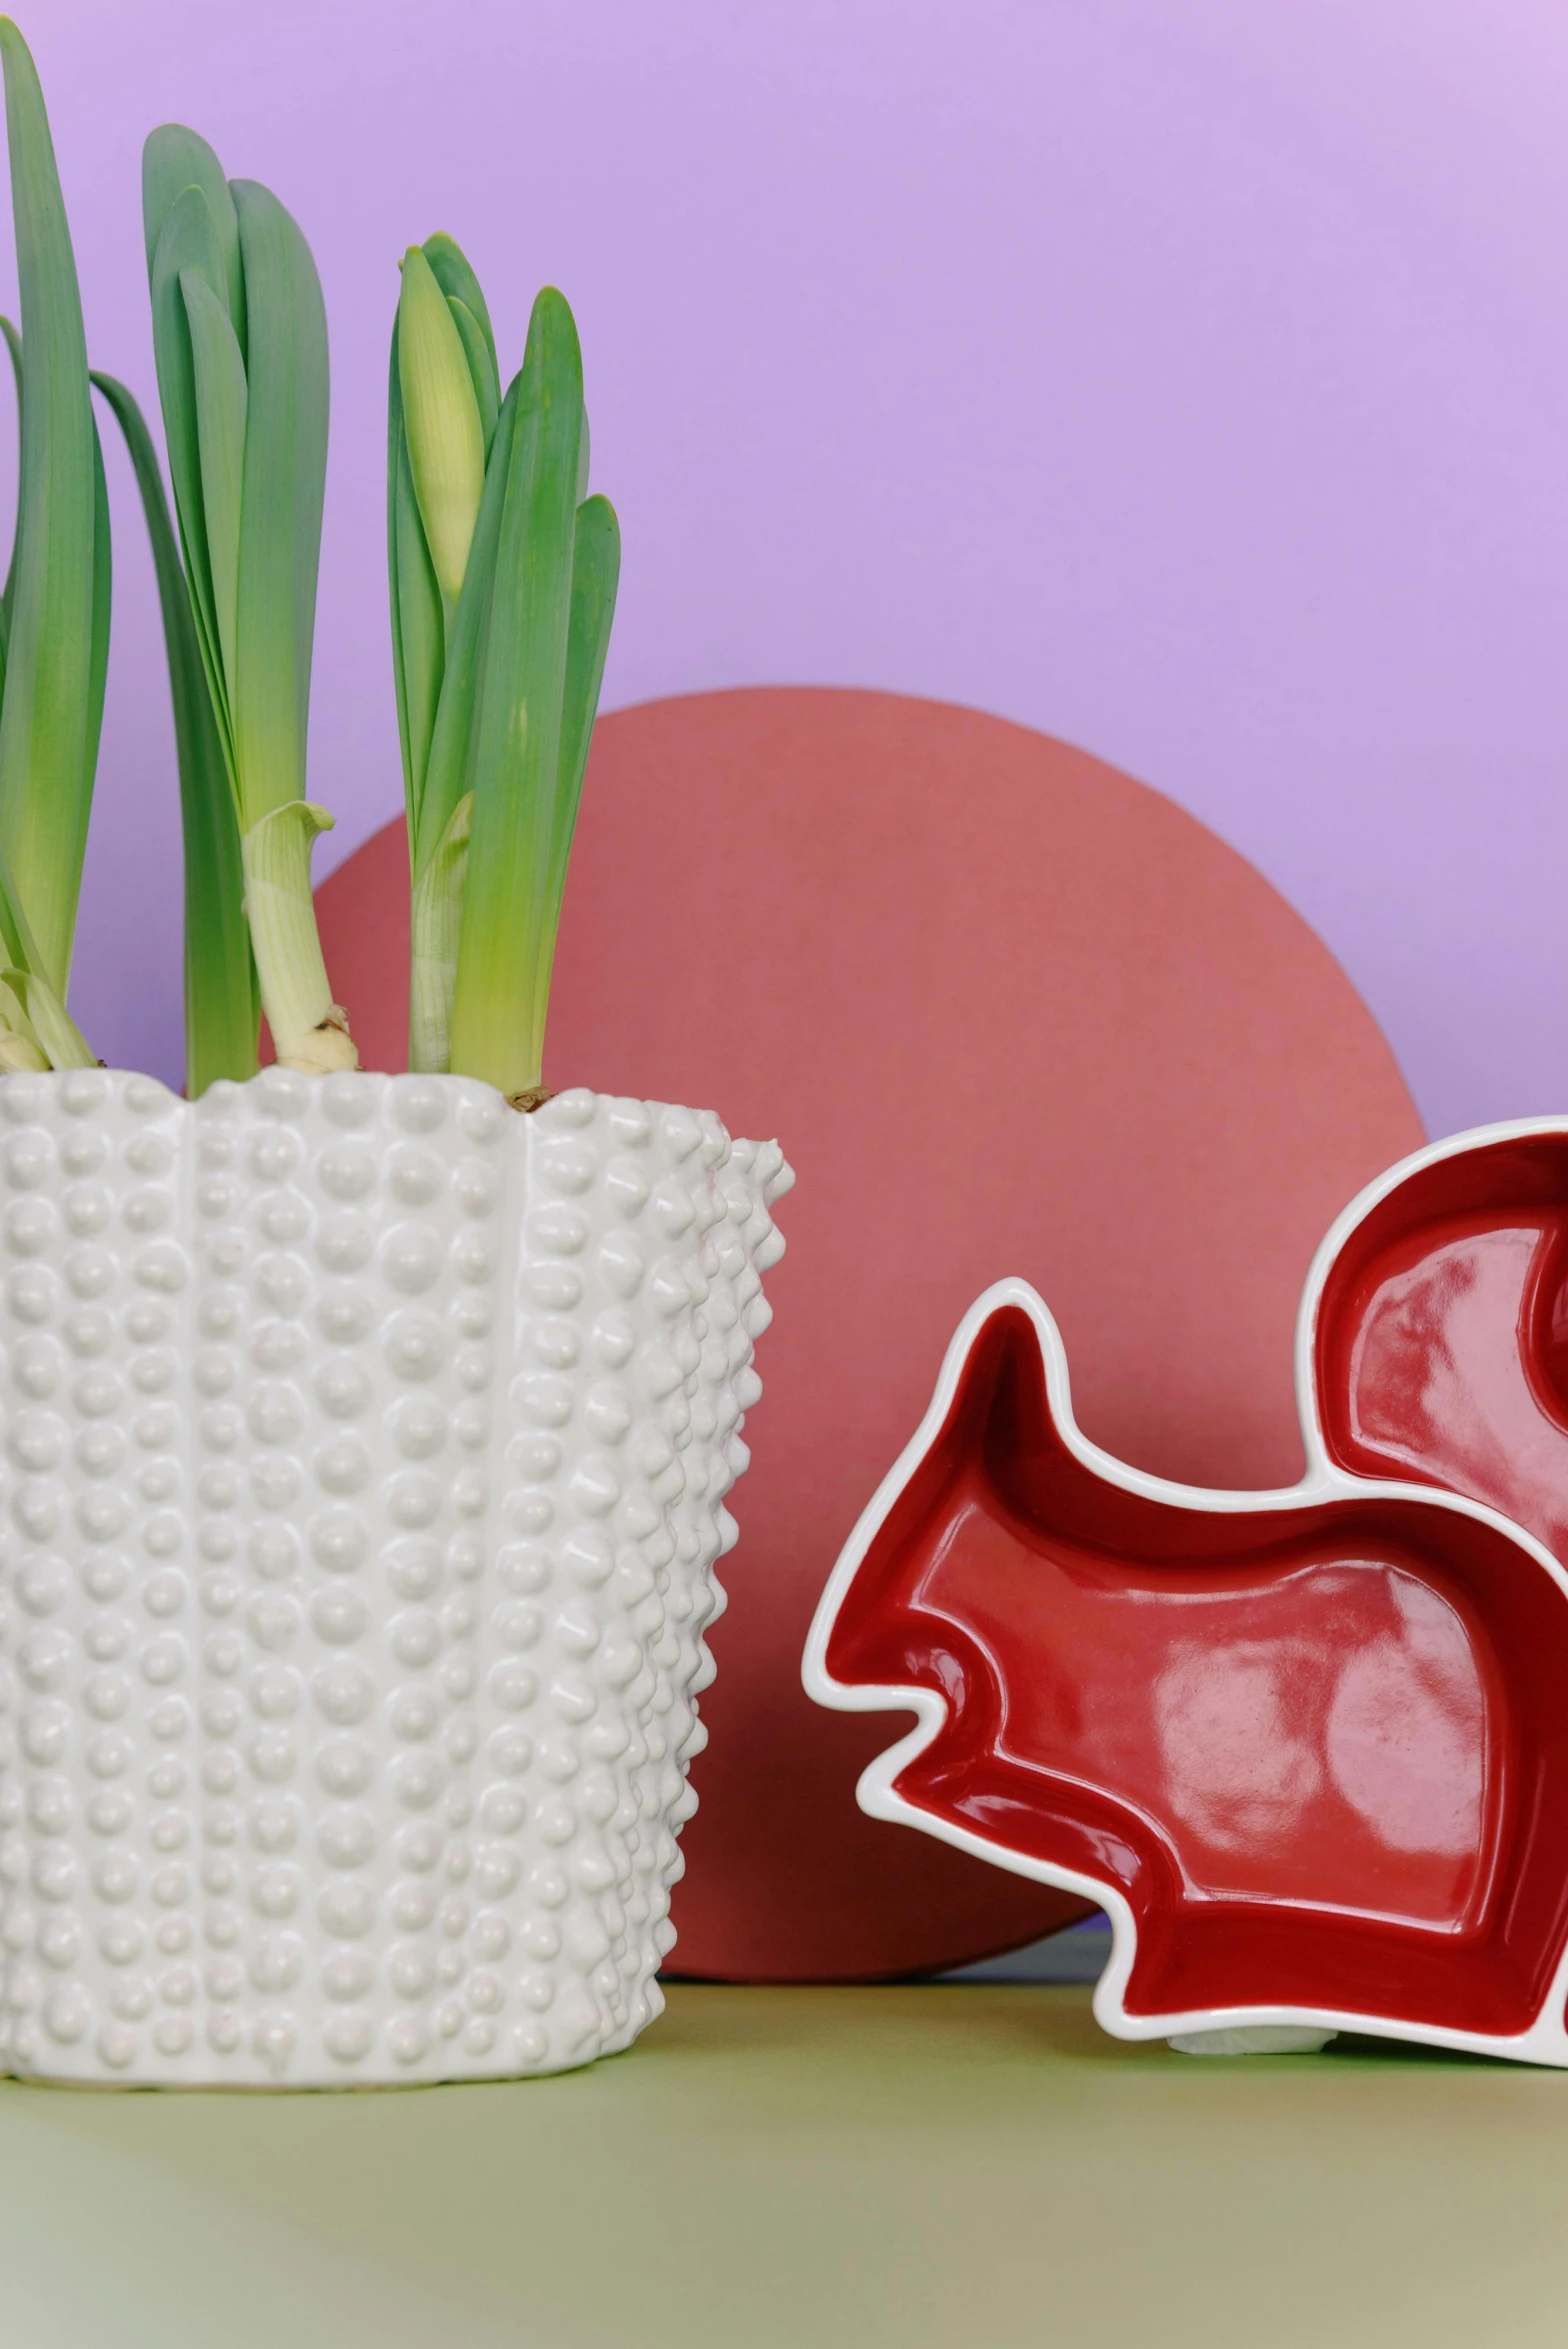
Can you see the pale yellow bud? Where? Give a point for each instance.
(446, 439)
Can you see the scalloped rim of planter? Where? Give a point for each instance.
(1546, 2039)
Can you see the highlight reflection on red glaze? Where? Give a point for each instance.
(1307, 1720)
(1315, 1741)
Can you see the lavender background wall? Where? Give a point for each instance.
(1188, 381)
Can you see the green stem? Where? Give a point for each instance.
(309, 1031)
(437, 916)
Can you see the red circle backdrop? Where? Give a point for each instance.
(1008, 1011)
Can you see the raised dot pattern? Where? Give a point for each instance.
(365, 1451)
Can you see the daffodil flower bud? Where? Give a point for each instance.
(446, 440)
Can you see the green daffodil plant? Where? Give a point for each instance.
(54, 612)
(503, 579)
(503, 574)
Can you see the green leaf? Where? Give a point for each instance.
(98, 667)
(243, 381)
(418, 627)
(596, 571)
(46, 717)
(189, 241)
(399, 680)
(448, 770)
(421, 633)
(13, 343)
(221, 1009)
(454, 274)
(481, 370)
(221, 401)
(280, 521)
(496, 1019)
(16, 932)
(173, 160)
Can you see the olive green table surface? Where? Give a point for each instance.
(919, 2165)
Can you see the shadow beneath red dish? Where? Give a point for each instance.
(1361, 2047)
(1321, 1748)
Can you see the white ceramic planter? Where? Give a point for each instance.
(365, 1447)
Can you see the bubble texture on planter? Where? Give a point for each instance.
(363, 1456)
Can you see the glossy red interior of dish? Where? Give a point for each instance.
(1321, 1749)
(1442, 1337)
